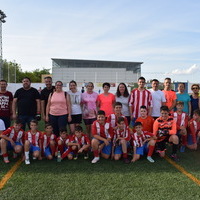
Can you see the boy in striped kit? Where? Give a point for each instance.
(12, 138)
(79, 143)
(140, 97)
(143, 142)
(120, 140)
(102, 134)
(112, 119)
(181, 119)
(49, 142)
(33, 142)
(194, 130)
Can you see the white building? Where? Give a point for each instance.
(96, 71)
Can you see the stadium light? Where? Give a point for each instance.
(2, 20)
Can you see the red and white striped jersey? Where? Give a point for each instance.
(137, 140)
(138, 99)
(112, 119)
(65, 141)
(124, 133)
(83, 140)
(15, 136)
(181, 119)
(46, 139)
(33, 138)
(194, 128)
(103, 130)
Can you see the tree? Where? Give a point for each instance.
(13, 73)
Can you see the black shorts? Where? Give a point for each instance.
(162, 144)
(76, 119)
(89, 121)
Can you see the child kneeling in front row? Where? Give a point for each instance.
(102, 134)
(79, 143)
(49, 142)
(12, 139)
(143, 142)
(120, 140)
(33, 142)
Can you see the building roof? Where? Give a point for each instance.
(81, 63)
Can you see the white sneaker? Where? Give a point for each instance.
(150, 159)
(95, 160)
(34, 158)
(27, 162)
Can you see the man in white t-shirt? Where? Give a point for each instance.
(2, 126)
(158, 98)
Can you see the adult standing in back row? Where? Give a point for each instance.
(6, 99)
(26, 103)
(45, 95)
(106, 100)
(140, 97)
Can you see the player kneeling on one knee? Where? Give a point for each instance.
(12, 139)
(33, 142)
(164, 129)
(101, 142)
(79, 143)
(62, 142)
(143, 142)
(120, 140)
(49, 142)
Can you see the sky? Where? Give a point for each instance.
(165, 35)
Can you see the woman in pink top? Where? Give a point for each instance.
(89, 102)
(106, 100)
(58, 111)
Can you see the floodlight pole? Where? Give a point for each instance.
(2, 20)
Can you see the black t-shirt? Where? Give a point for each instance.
(26, 101)
(45, 94)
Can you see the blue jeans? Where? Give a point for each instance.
(25, 120)
(58, 122)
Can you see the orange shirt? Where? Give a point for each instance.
(170, 96)
(147, 123)
(106, 103)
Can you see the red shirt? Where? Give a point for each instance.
(46, 139)
(83, 140)
(138, 140)
(194, 128)
(112, 119)
(33, 138)
(15, 136)
(103, 130)
(124, 133)
(65, 141)
(181, 119)
(138, 99)
(5, 101)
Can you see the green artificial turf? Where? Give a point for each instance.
(104, 180)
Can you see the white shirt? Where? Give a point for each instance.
(75, 102)
(2, 125)
(158, 98)
(125, 104)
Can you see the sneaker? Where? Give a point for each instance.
(174, 157)
(6, 161)
(182, 149)
(86, 156)
(150, 159)
(75, 156)
(34, 158)
(126, 161)
(27, 162)
(95, 160)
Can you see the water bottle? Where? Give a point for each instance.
(59, 157)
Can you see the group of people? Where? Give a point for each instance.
(138, 123)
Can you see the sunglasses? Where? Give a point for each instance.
(195, 88)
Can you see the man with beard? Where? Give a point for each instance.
(26, 102)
